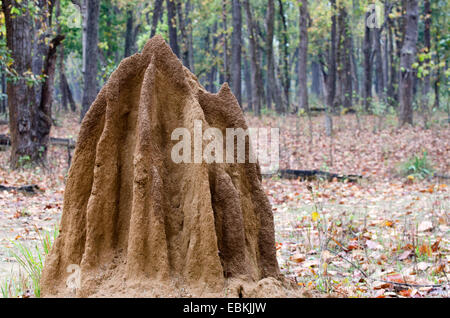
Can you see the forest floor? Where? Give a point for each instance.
(385, 236)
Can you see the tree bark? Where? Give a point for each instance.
(331, 77)
(90, 74)
(248, 80)
(303, 56)
(286, 81)
(258, 90)
(21, 98)
(408, 56)
(427, 46)
(184, 38)
(273, 93)
(171, 17)
(213, 67)
(226, 55)
(44, 115)
(129, 34)
(190, 41)
(236, 38)
(156, 16)
(367, 50)
(379, 71)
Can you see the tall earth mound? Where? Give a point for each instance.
(138, 224)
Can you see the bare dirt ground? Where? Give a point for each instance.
(386, 236)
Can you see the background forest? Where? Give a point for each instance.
(356, 87)
(283, 56)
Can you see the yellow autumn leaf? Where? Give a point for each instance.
(315, 216)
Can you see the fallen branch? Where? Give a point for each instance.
(66, 142)
(26, 188)
(316, 174)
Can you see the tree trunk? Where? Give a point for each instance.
(213, 67)
(408, 56)
(129, 34)
(236, 38)
(427, 46)
(316, 88)
(21, 98)
(273, 93)
(156, 16)
(258, 90)
(379, 87)
(367, 50)
(184, 38)
(391, 92)
(331, 77)
(90, 74)
(347, 87)
(44, 115)
(303, 56)
(286, 81)
(226, 55)
(190, 41)
(171, 17)
(248, 80)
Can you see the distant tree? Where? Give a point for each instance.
(236, 53)
(29, 93)
(407, 58)
(273, 91)
(157, 11)
(258, 86)
(286, 80)
(303, 56)
(172, 21)
(90, 74)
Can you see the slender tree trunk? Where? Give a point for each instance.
(303, 56)
(437, 81)
(248, 80)
(273, 93)
(41, 33)
(316, 88)
(408, 56)
(331, 77)
(157, 11)
(380, 88)
(129, 34)
(236, 39)
(286, 81)
(392, 96)
(213, 68)
(347, 87)
(184, 38)
(61, 64)
(258, 90)
(367, 50)
(226, 55)
(190, 41)
(171, 17)
(90, 74)
(427, 46)
(44, 118)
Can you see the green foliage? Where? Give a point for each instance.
(31, 261)
(417, 167)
